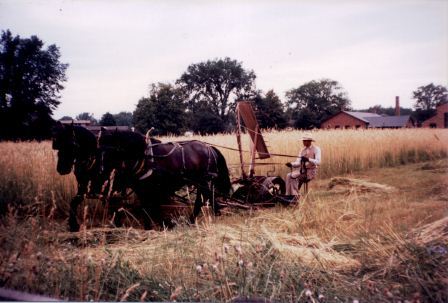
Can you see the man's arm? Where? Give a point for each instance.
(296, 163)
(317, 158)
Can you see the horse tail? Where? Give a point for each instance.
(222, 181)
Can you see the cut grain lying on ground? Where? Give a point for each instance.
(379, 234)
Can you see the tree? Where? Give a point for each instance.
(204, 121)
(123, 119)
(315, 101)
(108, 120)
(269, 110)
(66, 118)
(388, 111)
(30, 82)
(164, 110)
(87, 116)
(427, 98)
(216, 85)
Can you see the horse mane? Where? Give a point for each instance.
(132, 143)
(85, 139)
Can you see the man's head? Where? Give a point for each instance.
(307, 139)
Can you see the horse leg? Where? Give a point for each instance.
(208, 188)
(72, 221)
(149, 206)
(197, 205)
(213, 203)
(82, 190)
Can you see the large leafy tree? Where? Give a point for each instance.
(214, 86)
(123, 118)
(31, 78)
(315, 101)
(269, 110)
(427, 98)
(204, 121)
(108, 120)
(164, 110)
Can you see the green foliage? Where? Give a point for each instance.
(204, 121)
(388, 111)
(315, 101)
(427, 98)
(108, 120)
(269, 111)
(164, 110)
(214, 86)
(123, 119)
(87, 116)
(30, 82)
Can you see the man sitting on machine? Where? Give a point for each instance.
(308, 161)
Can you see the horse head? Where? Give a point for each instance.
(63, 138)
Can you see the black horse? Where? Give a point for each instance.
(77, 146)
(155, 170)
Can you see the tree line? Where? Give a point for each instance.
(203, 99)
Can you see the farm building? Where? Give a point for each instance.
(76, 122)
(347, 119)
(440, 120)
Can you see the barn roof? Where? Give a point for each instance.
(388, 121)
(362, 115)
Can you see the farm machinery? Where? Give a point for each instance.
(254, 190)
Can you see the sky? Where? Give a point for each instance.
(376, 50)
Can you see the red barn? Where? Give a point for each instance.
(440, 120)
(346, 119)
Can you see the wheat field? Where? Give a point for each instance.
(381, 238)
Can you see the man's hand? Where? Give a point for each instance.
(305, 159)
(289, 164)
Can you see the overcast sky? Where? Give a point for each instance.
(375, 49)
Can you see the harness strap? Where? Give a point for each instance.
(183, 157)
(149, 152)
(213, 155)
(138, 168)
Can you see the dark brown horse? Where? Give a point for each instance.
(77, 147)
(155, 171)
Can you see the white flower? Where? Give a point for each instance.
(199, 269)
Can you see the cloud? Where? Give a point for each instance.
(115, 49)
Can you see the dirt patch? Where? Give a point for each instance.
(350, 184)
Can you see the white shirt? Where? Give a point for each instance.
(313, 153)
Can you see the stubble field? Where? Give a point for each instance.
(373, 228)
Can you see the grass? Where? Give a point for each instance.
(380, 236)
